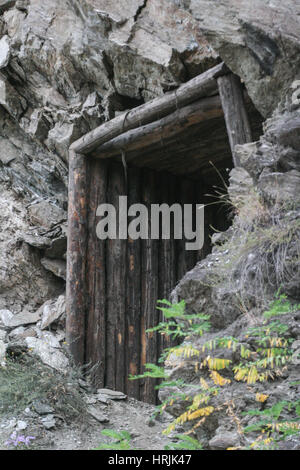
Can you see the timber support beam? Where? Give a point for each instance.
(113, 285)
(76, 262)
(203, 85)
(235, 112)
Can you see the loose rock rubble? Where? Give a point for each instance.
(51, 432)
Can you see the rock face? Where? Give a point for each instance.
(23, 280)
(249, 263)
(260, 41)
(4, 51)
(223, 429)
(66, 67)
(47, 349)
(52, 312)
(260, 252)
(2, 353)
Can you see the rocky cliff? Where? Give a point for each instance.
(68, 66)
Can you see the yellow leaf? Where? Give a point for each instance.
(260, 397)
(204, 384)
(202, 412)
(218, 379)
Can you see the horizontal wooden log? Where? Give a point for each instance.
(166, 128)
(196, 138)
(199, 87)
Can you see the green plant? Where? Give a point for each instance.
(280, 306)
(120, 440)
(271, 427)
(264, 357)
(25, 379)
(185, 443)
(178, 324)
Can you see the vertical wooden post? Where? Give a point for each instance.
(201, 190)
(164, 245)
(186, 259)
(96, 276)
(166, 255)
(133, 295)
(235, 112)
(149, 289)
(116, 289)
(76, 264)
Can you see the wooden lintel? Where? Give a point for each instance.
(235, 112)
(159, 131)
(201, 86)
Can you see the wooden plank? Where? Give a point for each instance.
(174, 198)
(235, 112)
(186, 260)
(96, 277)
(166, 256)
(149, 290)
(170, 126)
(133, 295)
(202, 198)
(164, 245)
(199, 87)
(198, 144)
(116, 290)
(203, 142)
(76, 261)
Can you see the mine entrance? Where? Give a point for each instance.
(171, 150)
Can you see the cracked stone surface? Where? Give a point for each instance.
(66, 67)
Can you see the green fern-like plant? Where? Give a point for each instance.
(177, 323)
(120, 440)
(265, 358)
(280, 306)
(271, 427)
(184, 443)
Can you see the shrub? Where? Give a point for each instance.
(268, 357)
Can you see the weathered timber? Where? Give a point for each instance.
(113, 286)
(199, 87)
(149, 342)
(211, 202)
(116, 290)
(164, 245)
(174, 197)
(192, 149)
(96, 276)
(197, 142)
(166, 274)
(186, 259)
(173, 125)
(133, 295)
(76, 263)
(235, 112)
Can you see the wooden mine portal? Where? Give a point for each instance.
(159, 152)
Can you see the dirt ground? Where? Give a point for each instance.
(85, 434)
